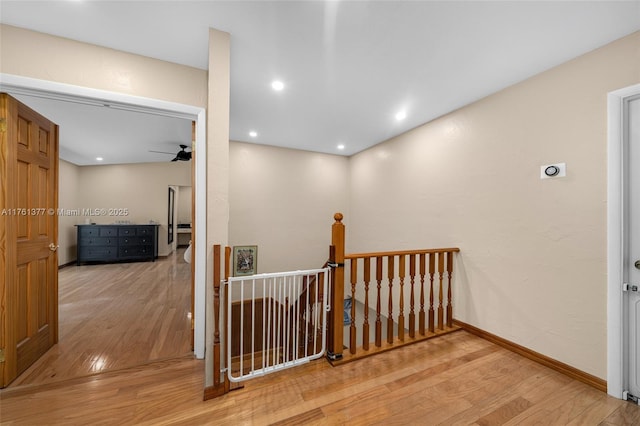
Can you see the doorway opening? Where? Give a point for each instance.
(51, 90)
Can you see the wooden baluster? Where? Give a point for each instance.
(401, 274)
(352, 327)
(412, 314)
(216, 315)
(220, 385)
(365, 325)
(422, 273)
(330, 327)
(449, 305)
(440, 292)
(310, 327)
(378, 307)
(432, 268)
(390, 273)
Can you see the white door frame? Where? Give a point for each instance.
(615, 240)
(67, 92)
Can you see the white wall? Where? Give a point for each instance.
(283, 201)
(532, 267)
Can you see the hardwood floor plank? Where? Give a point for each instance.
(627, 414)
(461, 380)
(305, 418)
(601, 407)
(505, 412)
(113, 316)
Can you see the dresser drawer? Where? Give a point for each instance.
(99, 241)
(124, 231)
(128, 241)
(145, 241)
(134, 252)
(108, 231)
(135, 241)
(98, 253)
(146, 230)
(89, 231)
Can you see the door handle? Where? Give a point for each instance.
(53, 247)
(637, 264)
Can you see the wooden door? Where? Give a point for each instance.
(28, 237)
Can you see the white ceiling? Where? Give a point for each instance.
(348, 66)
(118, 136)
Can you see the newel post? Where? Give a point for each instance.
(336, 322)
(220, 386)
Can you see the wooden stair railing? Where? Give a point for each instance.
(437, 275)
(425, 266)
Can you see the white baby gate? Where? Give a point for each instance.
(275, 321)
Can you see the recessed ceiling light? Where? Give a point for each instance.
(253, 133)
(277, 85)
(99, 158)
(401, 115)
(341, 146)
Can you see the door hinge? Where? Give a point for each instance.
(3, 125)
(628, 397)
(1, 355)
(629, 287)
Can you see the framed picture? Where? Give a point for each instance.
(245, 260)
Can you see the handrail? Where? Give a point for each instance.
(400, 252)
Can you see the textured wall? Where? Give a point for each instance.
(532, 267)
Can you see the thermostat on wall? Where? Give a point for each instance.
(553, 170)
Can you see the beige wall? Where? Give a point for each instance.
(217, 228)
(68, 189)
(283, 201)
(36, 55)
(532, 267)
(141, 188)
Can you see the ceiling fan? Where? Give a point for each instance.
(181, 155)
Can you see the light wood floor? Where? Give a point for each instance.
(457, 379)
(113, 316)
